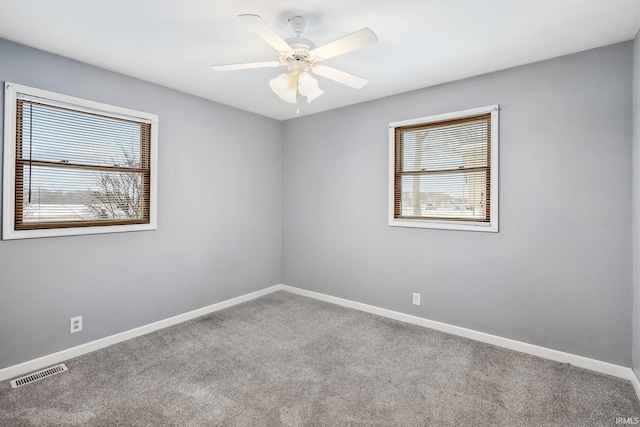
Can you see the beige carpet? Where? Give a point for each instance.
(286, 360)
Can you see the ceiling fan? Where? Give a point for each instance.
(302, 57)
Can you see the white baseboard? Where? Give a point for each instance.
(52, 359)
(546, 353)
(636, 383)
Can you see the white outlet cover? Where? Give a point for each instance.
(75, 324)
(416, 299)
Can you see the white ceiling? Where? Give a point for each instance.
(421, 42)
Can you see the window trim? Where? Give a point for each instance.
(13, 92)
(456, 224)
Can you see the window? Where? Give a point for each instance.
(443, 171)
(73, 166)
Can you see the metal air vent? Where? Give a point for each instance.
(19, 382)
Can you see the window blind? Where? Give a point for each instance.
(75, 168)
(443, 170)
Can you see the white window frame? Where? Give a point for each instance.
(13, 92)
(491, 226)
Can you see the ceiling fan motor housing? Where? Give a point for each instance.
(300, 53)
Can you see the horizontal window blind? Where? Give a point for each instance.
(75, 168)
(443, 170)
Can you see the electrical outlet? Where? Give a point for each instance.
(416, 299)
(75, 324)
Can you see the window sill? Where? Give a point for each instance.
(11, 234)
(445, 225)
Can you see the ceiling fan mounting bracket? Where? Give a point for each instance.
(298, 24)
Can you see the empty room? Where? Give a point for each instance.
(410, 213)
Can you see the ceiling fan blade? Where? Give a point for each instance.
(353, 41)
(247, 66)
(339, 76)
(263, 29)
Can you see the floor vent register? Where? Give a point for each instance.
(36, 376)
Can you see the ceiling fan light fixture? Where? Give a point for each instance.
(293, 83)
(282, 82)
(308, 86)
(305, 79)
(284, 86)
(313, 95)
(290, 96)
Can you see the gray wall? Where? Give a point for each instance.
(558, 274)
(209, 156)
(636, 206)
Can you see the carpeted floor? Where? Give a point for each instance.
(286, 360)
